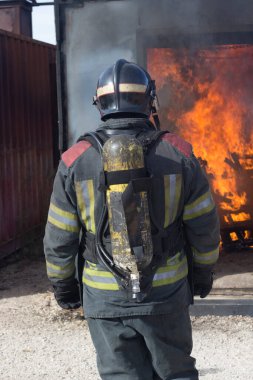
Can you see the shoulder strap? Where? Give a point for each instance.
(96, 139)
(148, 139)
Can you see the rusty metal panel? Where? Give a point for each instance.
(28, 125)
(15, 17)
(8, 19)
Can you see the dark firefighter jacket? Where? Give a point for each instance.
(182, 191)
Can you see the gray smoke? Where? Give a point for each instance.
(100, 32)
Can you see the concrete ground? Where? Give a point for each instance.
(234, 274)
(38, 340)
(232, 291)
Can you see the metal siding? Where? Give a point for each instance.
(28, 124)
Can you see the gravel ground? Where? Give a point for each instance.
(38, 340)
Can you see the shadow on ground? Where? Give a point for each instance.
(234, 272)
(24, 272)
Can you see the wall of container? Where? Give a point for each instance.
(28, 138)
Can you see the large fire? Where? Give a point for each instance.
(207, 97)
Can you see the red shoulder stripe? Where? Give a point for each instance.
(74, 152)
(179, 143)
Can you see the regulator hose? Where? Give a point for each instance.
(104, 256)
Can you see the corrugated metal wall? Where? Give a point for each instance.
(28, 133)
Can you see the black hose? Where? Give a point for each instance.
(101, 251)
(103, 254)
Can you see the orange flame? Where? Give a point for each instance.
(233, 236)
(207, 96)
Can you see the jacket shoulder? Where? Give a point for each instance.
(183, 146)
(72, 154)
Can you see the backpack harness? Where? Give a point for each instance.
(166, 241)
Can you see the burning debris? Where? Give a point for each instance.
(207, 96)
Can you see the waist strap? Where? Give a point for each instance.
(165, 245)
(168, 242)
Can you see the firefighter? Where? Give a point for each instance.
(135, 203)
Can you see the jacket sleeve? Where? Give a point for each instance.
(61, 239)
(200, 218)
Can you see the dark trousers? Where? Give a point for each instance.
(149, 347)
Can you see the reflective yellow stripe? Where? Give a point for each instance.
(86, 203)
(167, 197)
(171, 280)
(172, 189)
(175, 270)
(62, 226)
(171, 273)
(92, 205)
(207, 258)
(60, 267)
(62, 219)
(100, 285)
(59, 275)
(169, 268)
(58, 271)
(177, 195)
(61, 212)
(99, 273)
(99, 279)
(200, 206)
(80, 200)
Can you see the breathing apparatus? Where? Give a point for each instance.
(125, 90)
(125, 211)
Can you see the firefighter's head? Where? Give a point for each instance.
(125, 90)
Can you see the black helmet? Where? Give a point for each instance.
(124, 89)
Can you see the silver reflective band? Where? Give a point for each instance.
(86, 203)
(123, 87)
(206, 258)
(172, 188)
(57, 271)
(63, 219)
(199, 207)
